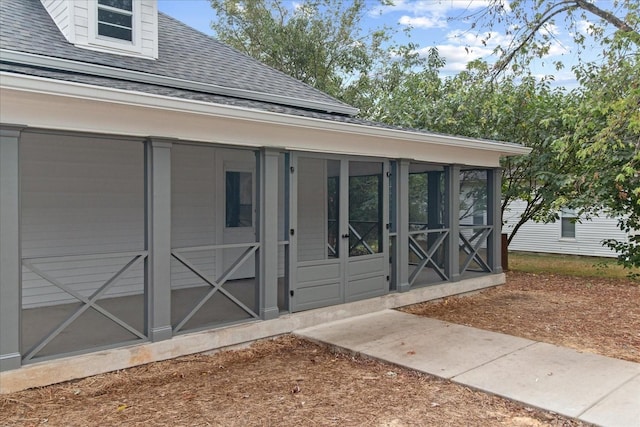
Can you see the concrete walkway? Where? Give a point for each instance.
(592, 388)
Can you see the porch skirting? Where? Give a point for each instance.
(70, 368)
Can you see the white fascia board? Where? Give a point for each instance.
(156, 79)
(196, 121)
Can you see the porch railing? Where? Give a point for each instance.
(358, 235)
(216, 283)
(472, 237)
(32, 264)
(435, 239)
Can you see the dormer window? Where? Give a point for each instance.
(115, 19)
(121, 27)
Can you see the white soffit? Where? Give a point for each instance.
(41, 102)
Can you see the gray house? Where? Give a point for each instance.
(163, 194)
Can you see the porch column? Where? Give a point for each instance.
(158, 239)
(10, 266)
(452, 221)
(494, 218)
(401, 223)
(267, 232)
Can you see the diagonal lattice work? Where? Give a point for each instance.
(472, 245)
(87, 302)
(426, 256)
(215, 284)
(358, 242)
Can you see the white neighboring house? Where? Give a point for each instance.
(565, 236)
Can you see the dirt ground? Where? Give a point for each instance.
(286, 381)
(588, 314)
(289, 381)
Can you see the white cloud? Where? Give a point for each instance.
(549, 29)
(457, 56)
(466, 46)
(423, 22)
(434, 6)
(461, 47)
(487, 39)
(557, 48)
(430, 13)
(585, 27)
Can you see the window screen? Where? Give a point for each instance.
(239, 199)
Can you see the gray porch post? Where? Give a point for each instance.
(401, 255)
(10, 268)
(267, 232)
(452, 221)
(494, 218)
(158, 239)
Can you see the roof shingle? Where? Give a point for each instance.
(183, 53)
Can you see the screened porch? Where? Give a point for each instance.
(129, 240)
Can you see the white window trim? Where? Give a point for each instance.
(571, 214)
(111, 44)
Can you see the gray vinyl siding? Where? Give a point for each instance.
(193, 210)
(312, 215)
(198, 212)
(80, 196)
(546, 238)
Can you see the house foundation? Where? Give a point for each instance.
(75, 367)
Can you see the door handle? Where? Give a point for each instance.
(346, 236)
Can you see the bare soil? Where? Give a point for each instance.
(596, 315)
(289, 381)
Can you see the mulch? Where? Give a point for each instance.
(290, 381)
(595, 315)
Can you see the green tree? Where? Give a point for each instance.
(574, 136)
(606, 144)
(319, 42)
(602, 142)
(529, 25)
(512, 108)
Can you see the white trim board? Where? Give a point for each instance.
(57, 105)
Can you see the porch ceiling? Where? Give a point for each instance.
(53, 104)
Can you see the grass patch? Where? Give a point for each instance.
(566, 265)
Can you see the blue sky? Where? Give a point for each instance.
(431, 26)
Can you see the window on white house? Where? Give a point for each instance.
(115, 19)
(568, 223)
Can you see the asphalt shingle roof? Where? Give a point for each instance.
(192, 95)
(183, 53)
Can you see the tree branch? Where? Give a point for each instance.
(546, 17)
(607, 16)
